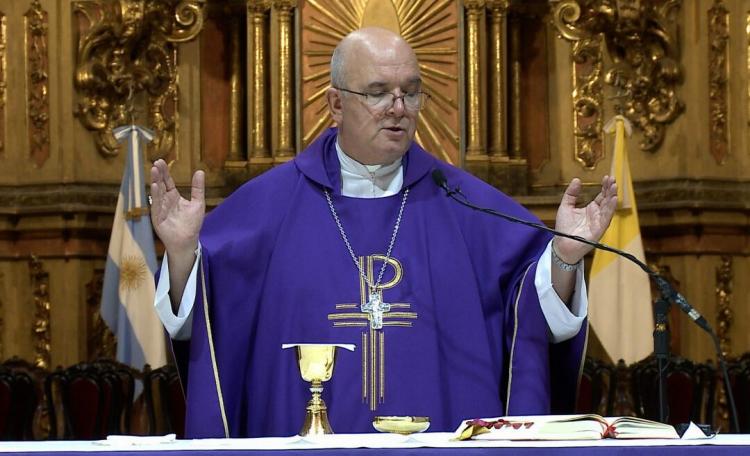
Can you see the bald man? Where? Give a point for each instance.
(455, 314)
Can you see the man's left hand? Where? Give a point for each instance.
(589, 222)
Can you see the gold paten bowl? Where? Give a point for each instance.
(401, 424)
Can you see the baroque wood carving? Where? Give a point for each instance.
(37, 77)
(127, 53)
(718, 80)
(42, 305)
(3, 80)
(101, 342)
(641, 41)
(725, 315)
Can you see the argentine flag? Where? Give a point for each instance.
(128, 295)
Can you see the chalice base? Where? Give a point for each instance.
(316, 418)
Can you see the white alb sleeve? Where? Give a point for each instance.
(563, 323)
(180, 326)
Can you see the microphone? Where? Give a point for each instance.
(439, 178)
(666, 290)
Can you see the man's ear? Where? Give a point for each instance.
(335, 107)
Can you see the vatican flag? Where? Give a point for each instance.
(619, 291)
(128, 295)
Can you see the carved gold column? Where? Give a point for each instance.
(516, 148)
(236, 152)
(37, 77)
(507, 168)
(3, 80)
(476, 154)
(718, 80)
(257, 12)
(747, 61)
(284, 147)
(2, 322)
(41, 329)
(498, 148)
(724, 318)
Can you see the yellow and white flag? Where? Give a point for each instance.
(619, 291)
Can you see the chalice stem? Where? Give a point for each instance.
(316, 418)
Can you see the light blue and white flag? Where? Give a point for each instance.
(128, 294)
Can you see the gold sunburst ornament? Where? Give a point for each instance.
(133, 271)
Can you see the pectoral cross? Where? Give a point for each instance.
(375, 308)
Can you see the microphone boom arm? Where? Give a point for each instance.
(668, 293)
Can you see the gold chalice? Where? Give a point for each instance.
(316, 366)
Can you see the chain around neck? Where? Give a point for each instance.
(349, 246)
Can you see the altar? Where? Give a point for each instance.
(439, 443)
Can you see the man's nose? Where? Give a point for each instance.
(398, 108)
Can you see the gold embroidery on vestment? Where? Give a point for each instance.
(515, 333)
(347, 315)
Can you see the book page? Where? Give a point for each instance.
(630, 427)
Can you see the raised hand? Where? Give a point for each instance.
(176, 220)
(589, 222)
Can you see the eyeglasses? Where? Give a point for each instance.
(383, 101)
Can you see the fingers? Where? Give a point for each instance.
(163, 183)
(608, 185)
(571, 192)
(198, 187)
(608, 191)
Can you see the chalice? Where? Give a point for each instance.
(316, 366)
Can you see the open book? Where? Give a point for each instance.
(563, 427)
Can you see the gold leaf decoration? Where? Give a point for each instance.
(126, 54)
(641, 41)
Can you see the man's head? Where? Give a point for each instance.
(375, 62)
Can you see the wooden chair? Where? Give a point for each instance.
(596, 388)
(18, 402)
(119, 387)
(165, 400)
(707, 373)
(739, 377)
(25, 369)
(686, 386)
(89, 401)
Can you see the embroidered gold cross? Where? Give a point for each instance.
(374, 315)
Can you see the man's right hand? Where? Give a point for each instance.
(177, 221)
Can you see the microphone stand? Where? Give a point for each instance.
(661, 353)
(667, 292)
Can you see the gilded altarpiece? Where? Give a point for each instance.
(57, 194)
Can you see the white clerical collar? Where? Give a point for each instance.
(369, 181)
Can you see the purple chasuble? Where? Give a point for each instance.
(465, 336)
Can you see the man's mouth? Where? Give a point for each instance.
(394, 129)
